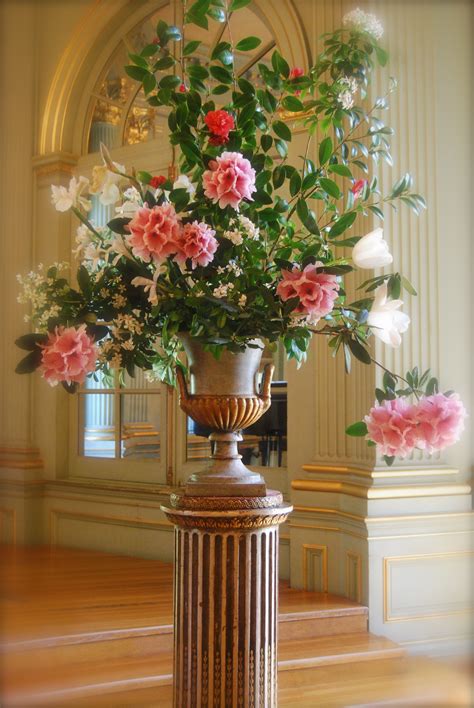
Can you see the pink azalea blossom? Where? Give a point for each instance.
(69, 355)
(316, 291)
(230, 179)
(440, 421)
(198, 243)
(154, 233)
(392, 426)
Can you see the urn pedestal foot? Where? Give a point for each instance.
(226, 600)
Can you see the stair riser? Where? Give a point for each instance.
(321, 626)
(46, 658)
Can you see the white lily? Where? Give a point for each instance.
(372, 251)
(118, 246)
(127, 209)
(64, 198)
(150, 285)
(105, 183)
(183, 182)
(386, 322)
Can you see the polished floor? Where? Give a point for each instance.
(81, 628)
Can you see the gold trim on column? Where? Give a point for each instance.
(351, 558)
(54, 163)
(354, 489)
(323, 510)
(380, 474)
(335, 529)
(309, 551)
(20, 457)
(387, 560)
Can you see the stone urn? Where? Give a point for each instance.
(224, 394)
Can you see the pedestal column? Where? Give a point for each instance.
(226, 599)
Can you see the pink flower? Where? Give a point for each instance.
(440, 421)
(316, 291)
(230, 179)
(358, 187)
(197, 242)
(392, 426)
(69, 355)
(154, 233)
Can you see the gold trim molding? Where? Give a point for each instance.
(55, 163)
(8, 517)
(361, 491)
(354, 570)
(380, 474)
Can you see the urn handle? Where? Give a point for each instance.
(267, 380)
(183, 386)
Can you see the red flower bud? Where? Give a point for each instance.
(182, 88)
(220, 123)
(156, 182)
(358, 188)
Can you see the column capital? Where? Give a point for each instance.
(54, 163)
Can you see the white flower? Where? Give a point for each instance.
(223, 290)
(249, 227)
(364, 21)
(350, 82)
(150, 285)
(183, 182)
(345, 99)
(242, 301)
(127, 209)
(118, 246)
(105, 183)
(372, 251)
(234, 236)
(385, 320)
(132, 195)
(65, 198)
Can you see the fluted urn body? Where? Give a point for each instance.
(224, 394)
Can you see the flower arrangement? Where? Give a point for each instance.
(244, 243)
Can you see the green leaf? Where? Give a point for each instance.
(293, 104)
(282, 130)
(29, 363)
(408, 286)
(163, 63)
(191, 47)
(191, 152)
(330, 187)
(173, 33)
(281, 147)
(170, 81)
(198, 72)
(295, 183)
(359, 351)
(342, 170)
(343, 223)
(357, 429)
(238, 5)
(84, 280)
(217, 14)
(149, 83)
(248, 43)
(278, 176)
(29, 342)
(221, 74)
(118, 225)
(139, 60)
(302, 209)
(389, 460)
(325, 150)
(136, 72)
(180, 198)
(266, 142)
(432, 387)
(382, 55)
(280, 65)
(377, 211)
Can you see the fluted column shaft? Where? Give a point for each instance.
(226, 600)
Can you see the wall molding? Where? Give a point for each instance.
(354, 576)
(8, 520)
(314, 553)
(390, 561)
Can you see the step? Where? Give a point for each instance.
(406, 681)
(396, 681)
(111, 675)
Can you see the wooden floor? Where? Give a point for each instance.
(81, 628)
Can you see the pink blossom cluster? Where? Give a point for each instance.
(69, 355)
(316, 291)
(230, 179)
(398, 427)
(157, 233)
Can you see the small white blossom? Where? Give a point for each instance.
(183, 182)
(364, 21)
(128, 345)
(64, 198)
(372, 251)
(234, 236)
(385, 320)
(242, 301)
(346, 99)
(249, 227)
(118, 246)
(223, 290)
